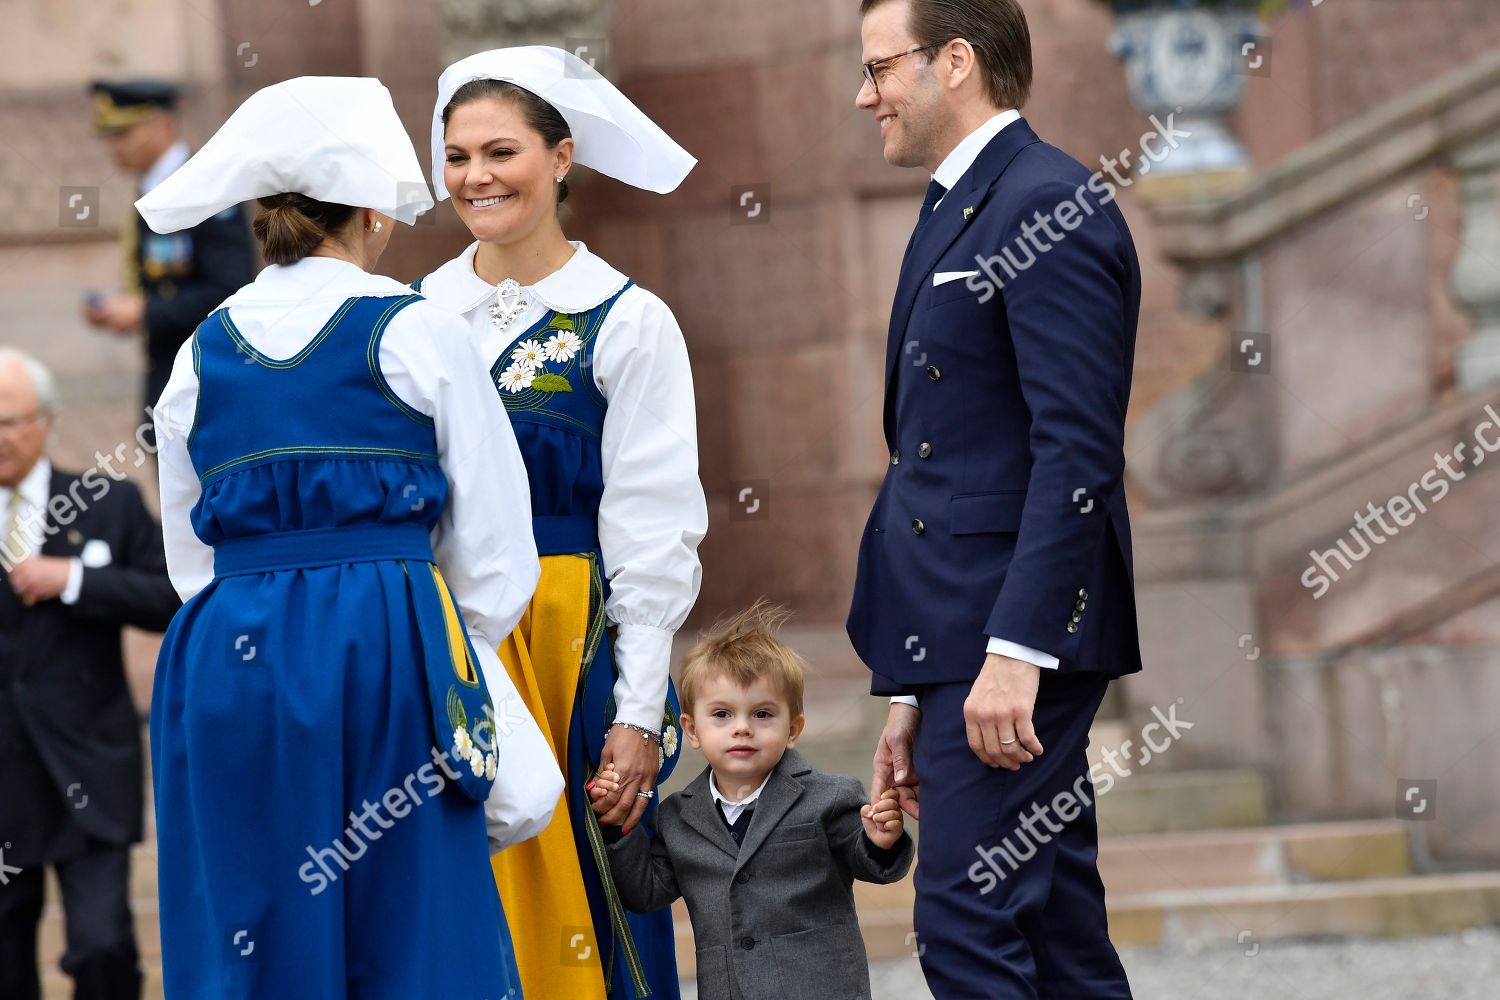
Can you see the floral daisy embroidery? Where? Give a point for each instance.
(563, 345)
(529, 353)
(517, 377)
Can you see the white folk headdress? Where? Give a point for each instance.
(334, 138)
(610, 134)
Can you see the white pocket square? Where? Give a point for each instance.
(96, 554)
(943, 277)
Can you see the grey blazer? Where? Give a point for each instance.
(774, 918)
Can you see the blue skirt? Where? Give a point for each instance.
(310, 842)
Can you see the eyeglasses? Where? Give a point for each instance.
(879, 64)
(9, 425)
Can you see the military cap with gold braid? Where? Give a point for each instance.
(119, 104)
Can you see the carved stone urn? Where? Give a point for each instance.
(1191, 62)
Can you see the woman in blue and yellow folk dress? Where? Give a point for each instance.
(329, 748)
(594, 373)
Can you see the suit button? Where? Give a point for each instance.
(742, 877)
(917, 525)
(747, 943)
(1077, 617)
(895, 458)
(1083, 595)
(933, 373)
(1072, 628)
(924, 450)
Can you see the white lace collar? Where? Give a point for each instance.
(584, 282)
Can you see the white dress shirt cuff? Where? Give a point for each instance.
(1003, 647)
(75, 582)
(643, 658)
(1016, 651)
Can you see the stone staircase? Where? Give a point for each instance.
(1368, 256)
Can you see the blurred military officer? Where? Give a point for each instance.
(173, 281)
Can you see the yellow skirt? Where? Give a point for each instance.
(540, 880)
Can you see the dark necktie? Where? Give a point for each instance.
(739, 826)
(935, 192)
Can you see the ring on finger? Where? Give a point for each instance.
(647, 794)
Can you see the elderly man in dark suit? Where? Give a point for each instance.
(994, 590)
(80, 557)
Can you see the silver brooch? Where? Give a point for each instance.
(508, 303)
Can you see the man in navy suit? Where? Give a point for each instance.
(994, 593)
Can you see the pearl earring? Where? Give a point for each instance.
(559, 180)
(378, 226)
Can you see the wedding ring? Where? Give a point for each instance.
(1006, 743)
(645, 795)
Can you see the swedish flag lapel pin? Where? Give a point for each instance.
(969, 211)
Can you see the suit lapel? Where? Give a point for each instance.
(781, 793)
(947, 222)
(700, 813)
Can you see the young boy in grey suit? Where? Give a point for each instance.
(763, 846)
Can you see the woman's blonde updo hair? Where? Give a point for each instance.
(289, 226)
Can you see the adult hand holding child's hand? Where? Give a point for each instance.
(883, 820)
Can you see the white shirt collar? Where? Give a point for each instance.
(584, 282)
(732, 810)
(36, 491)
(165, 166)
(958, 162)
(36, 488)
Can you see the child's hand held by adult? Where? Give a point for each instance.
(603, 790)
(883, 821)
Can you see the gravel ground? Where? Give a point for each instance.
(1457, 967)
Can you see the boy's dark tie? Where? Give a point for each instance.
(739, 826)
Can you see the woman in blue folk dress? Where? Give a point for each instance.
(594, 373)
(335, 747)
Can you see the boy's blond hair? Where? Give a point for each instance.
(744, 648)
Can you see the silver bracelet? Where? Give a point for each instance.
(648, 735)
